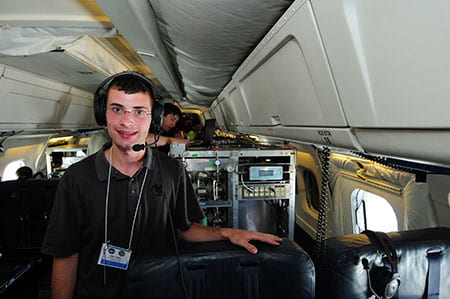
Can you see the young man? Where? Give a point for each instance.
(119, 202)
(172, 115)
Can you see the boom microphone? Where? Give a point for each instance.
(139, 147)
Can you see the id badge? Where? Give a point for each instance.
(113, 256)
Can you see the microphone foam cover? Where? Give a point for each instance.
(138, 147)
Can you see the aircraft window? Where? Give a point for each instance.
(312, 190)
(372, 212)
(9, 173)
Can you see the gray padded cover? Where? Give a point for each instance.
(221, 270)
(345, 276)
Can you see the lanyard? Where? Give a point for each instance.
(107, 202)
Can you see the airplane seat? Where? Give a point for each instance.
(39, 195)
(25, 208)
(24, 213)
(219, 269)
(357, 266)
(12, 216)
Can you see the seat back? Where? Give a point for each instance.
(221, 270)
(25, 208)
(357, 266)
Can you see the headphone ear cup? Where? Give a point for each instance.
(100, 106)
(386, 282)
(157, 116)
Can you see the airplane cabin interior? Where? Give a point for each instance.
(323, 122)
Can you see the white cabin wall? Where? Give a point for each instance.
(412, 201)
(439, 186)
(30, 149)
(417, 204)
(305, 215)
(29, 101)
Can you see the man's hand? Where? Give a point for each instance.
(243, 237)
(239, 237)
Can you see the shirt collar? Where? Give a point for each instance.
(102, 164)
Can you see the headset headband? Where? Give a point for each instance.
(386, 243)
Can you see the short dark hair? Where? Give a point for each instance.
(24, 172)
(130, 84)
(171, 109)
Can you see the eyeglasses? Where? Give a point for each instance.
(139, 114)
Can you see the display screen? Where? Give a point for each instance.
(266, 173)
(263, 172)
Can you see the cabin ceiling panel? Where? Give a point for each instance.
(142, 34)
(194, 47)
(207, 41)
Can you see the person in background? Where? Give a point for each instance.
(172, 115)
(23, 173)
(195, 132)
(169, 133)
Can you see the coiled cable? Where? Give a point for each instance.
(320, 249)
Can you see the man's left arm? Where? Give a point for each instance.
(201, 233)
(164, 140)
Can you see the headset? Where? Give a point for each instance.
(386, 280)
(101, 95)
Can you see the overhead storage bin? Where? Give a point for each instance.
(287, 80)
(234, 107)
(33, 102)
(217, 113)
(336, 137)
(390, 60)
(285, 88)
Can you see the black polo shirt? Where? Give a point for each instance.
(77, 223)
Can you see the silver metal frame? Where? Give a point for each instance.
(228, 160)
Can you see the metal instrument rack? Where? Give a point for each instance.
(252, 201)
(68, 152)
